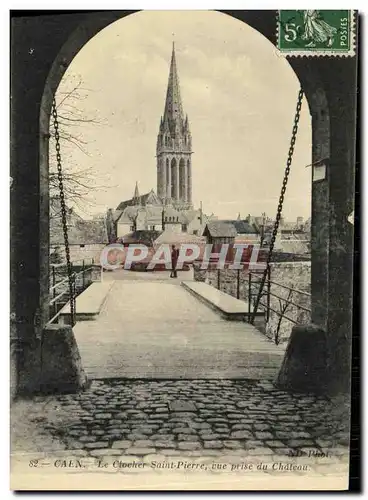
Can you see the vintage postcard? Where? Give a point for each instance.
(182, 234)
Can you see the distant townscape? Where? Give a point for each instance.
(167, 215)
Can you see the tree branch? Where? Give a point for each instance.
(79, 183)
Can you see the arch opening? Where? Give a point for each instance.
(178, 179)
(179, 172)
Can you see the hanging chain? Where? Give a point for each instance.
(281, 203)
(63, 213)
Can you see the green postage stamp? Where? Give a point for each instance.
(316, 32)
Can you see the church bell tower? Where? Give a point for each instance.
(174, 148)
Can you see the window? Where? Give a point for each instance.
(195, 232)
(132, 228)
(152, 228)
(81, 246)
(184, 228)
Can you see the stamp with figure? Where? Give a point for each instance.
(316, 32)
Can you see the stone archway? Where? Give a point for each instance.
(59, 40)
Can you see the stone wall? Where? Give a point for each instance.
(79, 253)
(296, 275)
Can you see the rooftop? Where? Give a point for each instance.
(221, 229)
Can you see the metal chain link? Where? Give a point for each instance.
(281, 201)
(63, 212)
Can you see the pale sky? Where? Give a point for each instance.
(240, 97)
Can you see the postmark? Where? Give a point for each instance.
(316, 33)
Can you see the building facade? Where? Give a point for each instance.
(174, 148)
(171, 205)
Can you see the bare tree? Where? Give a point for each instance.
(111, 226)
(133, 218)
(79, 182)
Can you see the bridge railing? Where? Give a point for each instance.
(280, 302)
(82, 277)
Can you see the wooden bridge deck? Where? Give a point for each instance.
(157, 329)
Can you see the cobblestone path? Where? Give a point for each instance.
(122, 421)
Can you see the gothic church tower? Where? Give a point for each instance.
(174, 148)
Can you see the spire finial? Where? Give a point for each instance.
(136, 193)
(173, 106)
(173, 45)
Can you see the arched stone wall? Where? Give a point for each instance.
(56, 40)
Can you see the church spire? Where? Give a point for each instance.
(174, 147)
(173, 113)
(136, 195)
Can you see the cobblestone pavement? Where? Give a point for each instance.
(123, 421)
